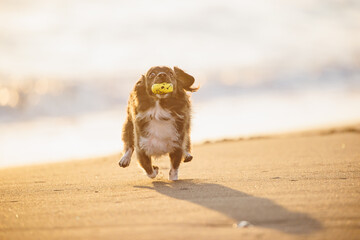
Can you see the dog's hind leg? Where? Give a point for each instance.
(175, 158)
(128, 138)
(145, 163)
(187, 155)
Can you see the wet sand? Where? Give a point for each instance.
(303, 186)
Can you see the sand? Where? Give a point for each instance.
(289, 187)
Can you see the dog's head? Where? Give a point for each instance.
(180, 80)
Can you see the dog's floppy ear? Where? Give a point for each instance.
(140, 85)
(186, 79)
(141, 81)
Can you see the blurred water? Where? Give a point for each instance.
(67, 67)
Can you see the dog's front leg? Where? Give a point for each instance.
(126, 158)
(145, 163)
(175, 159)
(128, 138)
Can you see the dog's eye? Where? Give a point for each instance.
(152, 75)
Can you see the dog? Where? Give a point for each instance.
(159, 124)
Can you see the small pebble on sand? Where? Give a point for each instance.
(242, 224)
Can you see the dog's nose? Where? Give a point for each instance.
(162, 75)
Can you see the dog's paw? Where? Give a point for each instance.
(124, 162)
(188, 157)
(126, 159)
(154, 173)
(173, 174)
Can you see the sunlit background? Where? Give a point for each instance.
(264, 67)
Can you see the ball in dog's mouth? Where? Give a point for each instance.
(162, 88)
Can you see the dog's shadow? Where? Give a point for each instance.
(260, 212)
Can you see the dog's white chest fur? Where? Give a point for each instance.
(160, 135)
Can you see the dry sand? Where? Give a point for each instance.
(293, 187)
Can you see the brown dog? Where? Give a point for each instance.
(159, 124)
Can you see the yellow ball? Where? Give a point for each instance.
(162, 88)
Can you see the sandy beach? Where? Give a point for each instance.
(302, 186)
(275, 123)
